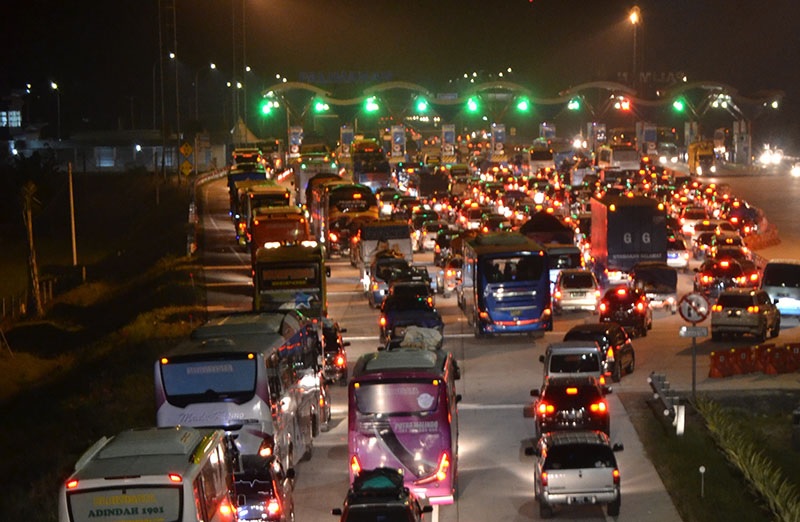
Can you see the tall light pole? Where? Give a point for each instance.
(635, 16)
(54, 86)
(211, 66)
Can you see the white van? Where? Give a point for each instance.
(781, 280)
(178, 474)
(573, 359)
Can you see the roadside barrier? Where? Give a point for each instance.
(720, 365)
(759, 357)
(775, 360)
(741, 361)
(793, 356)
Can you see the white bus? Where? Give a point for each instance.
(253, 375)
(176, 474)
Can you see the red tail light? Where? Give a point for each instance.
(382, 321)
(752, 309)
(340, 361)
(599, 407)
(72, 484)
(615, 474)
(544, 479)
(640, 306)
(557, 294)
(603, 307)
(226, 510)
(716, 308)
(355, 465)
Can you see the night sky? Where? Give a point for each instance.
(102, 53)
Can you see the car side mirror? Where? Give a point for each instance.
(342, 330)
(541, 358)
(617, 447)
(532, 451)
(607, 389)
(427, 508)
(346, 344)
(458, 397)
(336, 511)
(290, 474)
(534, 393)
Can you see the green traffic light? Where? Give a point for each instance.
(267, 106)
(523, 104)
(422, 105)
(371, 105)
(574, 104)
(678, 105)
(321, 106)
(472, 105)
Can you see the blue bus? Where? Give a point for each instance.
(505, 285)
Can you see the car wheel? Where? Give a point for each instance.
(632, 365)
(477, 328)
(762, 336)
(545, 510)
(643, 328)
(616, 372)
(777, 328)
(613, 507)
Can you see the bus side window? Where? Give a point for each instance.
(274, 381)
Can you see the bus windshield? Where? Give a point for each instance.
(199, 379)
(407, 398)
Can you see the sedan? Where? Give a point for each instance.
(571, 403)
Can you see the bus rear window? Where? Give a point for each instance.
(130, 504)
(397, 398)
(209, 380)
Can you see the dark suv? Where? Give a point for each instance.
(379, 494)
(614, 342)
(629, 307)
(571, 403)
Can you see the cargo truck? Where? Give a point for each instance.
(626, 231)
(701, 157)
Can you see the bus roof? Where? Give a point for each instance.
(290, 253)
(143, 452)
(503, 242)
(430, 362)
(243, 323)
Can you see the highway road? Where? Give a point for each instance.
(495, 476)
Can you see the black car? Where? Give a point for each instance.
(398, 312)
(334, 356)
(571, 403)
(614, 342)
(715, 276)
(379, 494)
(629, 307)
(265, 494)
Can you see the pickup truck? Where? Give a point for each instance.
(576, 467)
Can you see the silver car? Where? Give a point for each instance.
(745, 311)
(575, 289)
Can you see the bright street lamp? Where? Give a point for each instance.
(54, 86)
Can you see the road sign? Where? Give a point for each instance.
(693, 331)
(186, 149)
(694, 308)
(186, 167)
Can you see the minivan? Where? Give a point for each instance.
(781, 280)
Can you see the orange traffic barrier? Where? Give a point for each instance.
(792, 357)
(759, 357)
(741, 361)
(775, 360)
(720, 365)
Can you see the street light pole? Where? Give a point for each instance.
(635, 17)
(54, 86)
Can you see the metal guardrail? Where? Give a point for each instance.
(669, 399)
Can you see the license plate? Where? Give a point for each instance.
(577, 294)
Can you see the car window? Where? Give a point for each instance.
(574, 456)
(577, 281)
(574, 362)
(735, 300)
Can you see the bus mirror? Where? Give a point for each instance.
(458, 397)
